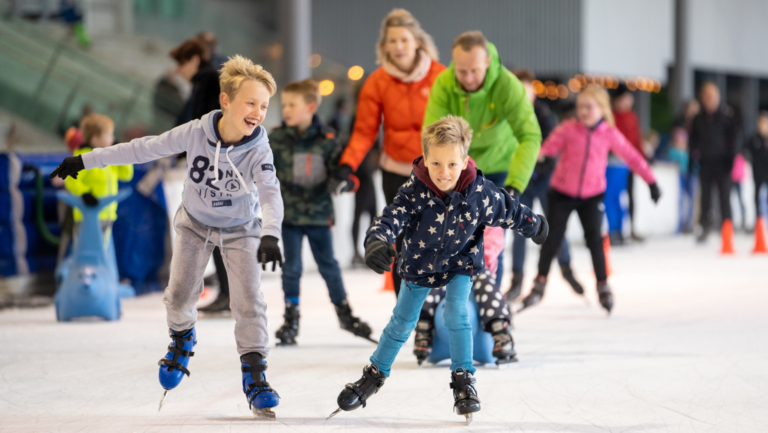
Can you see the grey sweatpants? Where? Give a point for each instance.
(192, 249)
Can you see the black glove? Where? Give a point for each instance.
(89, 199)
(269, 252)
(545, 166)
(378, 256)
(541, 236)
(69, 167)
(513, 191)
(342, 181)
(655, 192)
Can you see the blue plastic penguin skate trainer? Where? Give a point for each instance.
(261, 397)
(89, 287)
(482, 350)
(174, 365)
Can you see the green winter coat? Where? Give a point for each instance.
(506, 133)
(304, 166)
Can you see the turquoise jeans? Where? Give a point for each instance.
(406, 314)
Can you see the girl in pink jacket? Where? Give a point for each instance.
(578, 183)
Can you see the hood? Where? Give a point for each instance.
(466, 177)
(494, 70)
(210, 124)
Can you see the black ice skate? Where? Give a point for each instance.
(220, 306)
(571, 279)
(517, 287)
(465, 397)
(503, 344)
(537, 292)
(290, 330)
(606, 296)
(356, 394)
(350, 323)
(422, 345)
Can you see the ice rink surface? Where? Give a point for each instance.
(685, 350)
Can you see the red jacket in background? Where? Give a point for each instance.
(629, 125)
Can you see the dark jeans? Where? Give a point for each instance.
(590, 212)
(391, 182)
(321, 243)
(759, 182)
(365, 202)
(499, 179)
(718, 175)
(536, 189)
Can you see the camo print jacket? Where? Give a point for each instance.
(305, 167)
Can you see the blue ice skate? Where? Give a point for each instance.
(174, 366)
(261, 397)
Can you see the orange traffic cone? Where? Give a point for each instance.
(607, 252)
(760, 247)
(727, 234)
(389, 285)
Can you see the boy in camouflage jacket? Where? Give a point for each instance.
(306, 157)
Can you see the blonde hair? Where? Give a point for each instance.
(94, 125)
(403, 18)
(238, 69)
(448, 131)
(309, 89)
(600, 95)
(468, 40)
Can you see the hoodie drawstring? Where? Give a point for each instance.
(216, 162)
(237, 172)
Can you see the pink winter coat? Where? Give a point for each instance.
(580, 171)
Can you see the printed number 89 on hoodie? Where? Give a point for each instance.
(197, 171)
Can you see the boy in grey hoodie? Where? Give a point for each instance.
(231, 178)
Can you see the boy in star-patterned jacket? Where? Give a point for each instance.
(443, 208)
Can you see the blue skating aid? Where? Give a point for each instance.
(88, 286)
(174, 365)
(482, 341)
(261, 397)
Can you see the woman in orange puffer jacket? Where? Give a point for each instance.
(398, 91)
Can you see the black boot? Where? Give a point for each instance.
(606, 296)
(290, 330)
(568, 275)
(350, 323)
(537, 292)
(356, 394)
(503, 344)
(517, 286)
(219, 305)
(422, 345)
(465, 397)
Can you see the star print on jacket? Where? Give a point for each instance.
(450, 245)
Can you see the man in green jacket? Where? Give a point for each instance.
(476, 86)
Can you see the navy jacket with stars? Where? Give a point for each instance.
(444, 238)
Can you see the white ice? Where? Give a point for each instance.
(685, 350)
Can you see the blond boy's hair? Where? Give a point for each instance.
(94, 125)
(448, 131)
(600, 95)
(469, 40)
(308, 89)
(238, 69)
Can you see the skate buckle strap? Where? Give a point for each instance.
(459, 381)
(173, 364)
(258, 368)
(259, 387)
(177, 351)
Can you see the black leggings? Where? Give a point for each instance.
(391, 182)
(590, 211)
(365, 201)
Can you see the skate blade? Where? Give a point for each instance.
(371, 340)
(162, 400)
(506, 363)
(333, 414)
(264, 414)
(469, 418)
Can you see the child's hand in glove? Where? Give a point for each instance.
(269, 252)
(655, 192)
(541, 236)
(378, 256)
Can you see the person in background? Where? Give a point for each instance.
(737, 178)
(537, 189)
(713, 145)
(757, 151)
(212, 43)
(396, 95)
(678, 153)
(629, 125)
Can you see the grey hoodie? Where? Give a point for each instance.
(232, 200)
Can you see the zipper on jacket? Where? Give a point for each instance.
(442, 239)
(466, 104)
(584, 164)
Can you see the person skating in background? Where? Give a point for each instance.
(537, 189)
(629, 125)
(443, 209)
(738, 173)
(757, 152)
(678, 153)
(579, 182)
(306, 158)
(396, 95)
(231, 180)
(713, 145)
(477, 87)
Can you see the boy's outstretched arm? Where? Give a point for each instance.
(387, 227)
(136, 151)
(271, 202)
(504, 210)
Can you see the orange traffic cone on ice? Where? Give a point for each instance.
(760, 247)
(389, 285)
(727, 233)
(607, 253)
